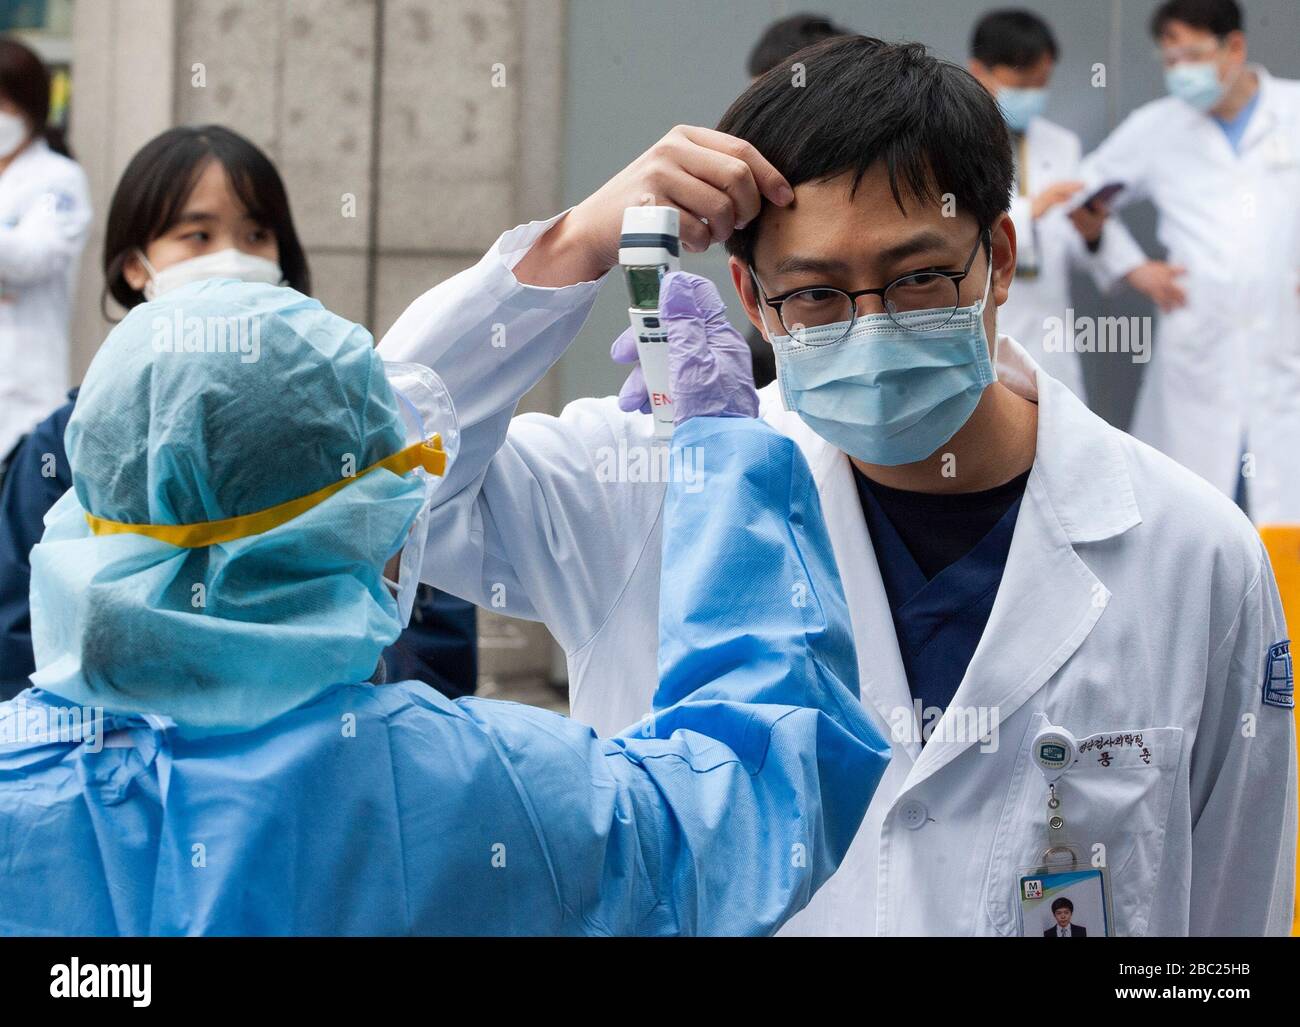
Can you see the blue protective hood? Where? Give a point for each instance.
(221, 399)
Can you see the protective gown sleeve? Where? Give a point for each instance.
(725, 809)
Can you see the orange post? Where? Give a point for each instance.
(1283, 545)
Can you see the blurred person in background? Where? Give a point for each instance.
(1219, 158)
(1013, 54)
(787, 36)
(193, 203)
(45, 216)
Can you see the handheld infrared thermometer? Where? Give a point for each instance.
(648, 250)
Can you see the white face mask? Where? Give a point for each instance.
(13, 133)
(230, 263)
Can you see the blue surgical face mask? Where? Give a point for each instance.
(885, 394)
(1021, 106)
(1197, 83)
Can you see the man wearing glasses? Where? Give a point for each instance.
(1220, 159)
(1012, 564)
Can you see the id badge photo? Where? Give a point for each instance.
(1064, 901)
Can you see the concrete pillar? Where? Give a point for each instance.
(122, 90)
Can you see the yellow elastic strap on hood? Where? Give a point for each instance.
(428, 454)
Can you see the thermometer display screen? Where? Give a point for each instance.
(643, 284)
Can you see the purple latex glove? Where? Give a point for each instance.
(711, 372)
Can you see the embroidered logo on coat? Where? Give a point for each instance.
(1279, 677)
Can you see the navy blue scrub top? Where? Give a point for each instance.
(941, 559)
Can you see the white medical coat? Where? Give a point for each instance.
(44, 218)
(1136, 600)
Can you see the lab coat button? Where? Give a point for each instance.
(913, 814)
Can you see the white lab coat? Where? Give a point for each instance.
(1135, 599)
(44, 218)
(1054, 246)
(1226, 367)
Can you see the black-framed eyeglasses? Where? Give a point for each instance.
(937, 293)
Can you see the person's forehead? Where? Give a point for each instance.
(1181, 32)
(214, 193)
(1040, 69)
(212, 180)
(830, 219)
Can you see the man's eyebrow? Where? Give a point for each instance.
(796, 264)
(923, 242)
(926, 241)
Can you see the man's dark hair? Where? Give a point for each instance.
(1016, 38)
(788, 36)
(1062, 903)
(937, 130)
(1217, 16)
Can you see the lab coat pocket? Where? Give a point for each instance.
(1115, 800)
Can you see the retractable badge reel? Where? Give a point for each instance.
(1063, 897)
(1055, 751)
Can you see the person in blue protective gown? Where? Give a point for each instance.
(214, 583)
(213, 178)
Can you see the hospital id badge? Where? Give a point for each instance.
(1064, 897)
(1070, 900)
